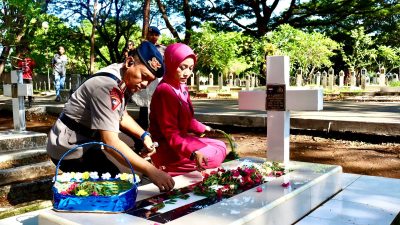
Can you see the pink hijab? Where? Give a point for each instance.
(174, 55)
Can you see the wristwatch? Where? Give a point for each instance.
(144, 135)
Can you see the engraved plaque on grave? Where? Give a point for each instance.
(276, 97)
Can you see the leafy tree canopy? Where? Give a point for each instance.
(308, 51)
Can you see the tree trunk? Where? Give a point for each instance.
(166, 20)
(188, 22)
(3, 59)
(146, 17)
(94, 24)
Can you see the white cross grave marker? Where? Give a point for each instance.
(278, 104)
(17, 90)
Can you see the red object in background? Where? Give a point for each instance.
(27, 65)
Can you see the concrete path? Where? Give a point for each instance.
(380, 118)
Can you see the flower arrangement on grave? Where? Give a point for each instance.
(271, 169)
(90, 184)
(224, 183)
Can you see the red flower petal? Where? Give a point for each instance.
(259, 189)
(285, 185)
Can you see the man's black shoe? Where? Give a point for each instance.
(58, 99)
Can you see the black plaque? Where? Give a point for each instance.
(276, 97)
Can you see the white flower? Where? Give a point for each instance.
(267, 164)
(94, 175)
(137, 178)
(78, 176)
(215, 187)
(106, 176)
(65, 177)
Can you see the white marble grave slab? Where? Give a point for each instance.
(311, 184)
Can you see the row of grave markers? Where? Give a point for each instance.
(200, 81)
(329, 79)
(41, 85)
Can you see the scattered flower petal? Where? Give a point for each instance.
(285, 185)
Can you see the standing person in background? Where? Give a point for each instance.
(59, 64)
(124, 54)
(26, 64)
(143, 98)
(153, 35)
(131, 47)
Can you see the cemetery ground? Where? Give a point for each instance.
(356, 153)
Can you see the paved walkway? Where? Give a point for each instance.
(381, 118)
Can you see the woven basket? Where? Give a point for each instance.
(122, 202)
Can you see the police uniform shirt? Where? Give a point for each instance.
(97, 104)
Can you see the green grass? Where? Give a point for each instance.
(394, 83)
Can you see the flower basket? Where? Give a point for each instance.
(105, 196)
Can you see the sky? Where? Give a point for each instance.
(282, 5)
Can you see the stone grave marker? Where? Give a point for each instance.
(211, 79)
(192, 79)
(324, 79)
(220, 81)
(382, 76)
(364, 77)
(299, 77)
(341, 78)
(18, 90)
(353, 79)
(230, 80)
(318, 79)
(331, 76)
(248, 82)
(278, 100)
(197, 75)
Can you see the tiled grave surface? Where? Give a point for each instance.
(311, 184)
(350, 182)
(367, 200)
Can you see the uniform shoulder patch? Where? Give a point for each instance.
(116, 98)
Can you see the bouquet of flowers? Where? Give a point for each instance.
(90, 184)
(223, 183)
(271, 169)
(88, 192)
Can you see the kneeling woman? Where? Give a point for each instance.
(172, 124)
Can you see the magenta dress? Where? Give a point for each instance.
(173, 126)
